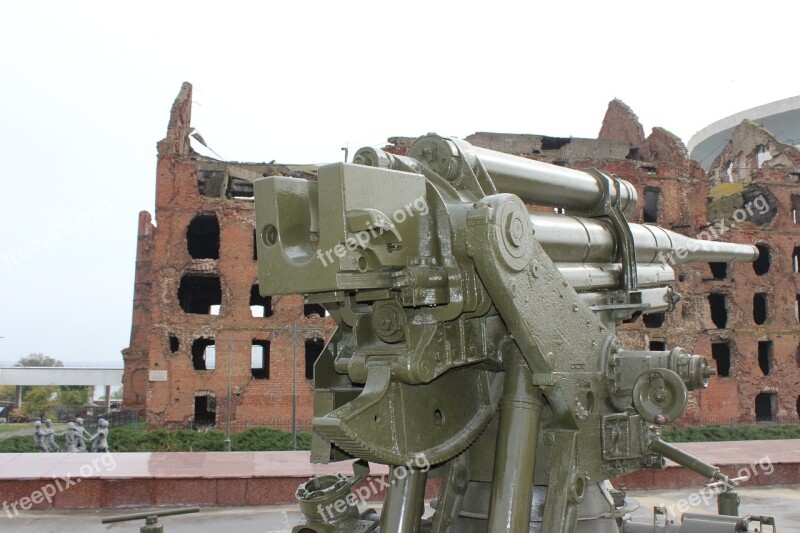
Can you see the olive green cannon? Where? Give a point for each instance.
(476, 338)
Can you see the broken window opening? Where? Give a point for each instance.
(760, 308)
(209, 183)
(765, 356)
(174, 344)
(554, 143)
(239, 189)
(260, 306)
(762, 155)
(314, 310)
(658, 346)
(654, 320)
(313, 350)
(796, 259)
(719, 270)
(798, 406)
(797, 307)
(198, 294)
(202, 237)
(259, 359)
(766, 406)
(719, 310)
(721, 354)
(762, 264)
(795, 207)
(204, 354)
(205, 409)
(650, 209)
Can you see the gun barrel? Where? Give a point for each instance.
(537, 182)
(572, 239)
(593, 277)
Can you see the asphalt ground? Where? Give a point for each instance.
(780, 501)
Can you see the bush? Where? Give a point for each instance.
(266, 439)
(723, 433)
(17, 444)
(134, 438)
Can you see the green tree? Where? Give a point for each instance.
(8, 393)
(38, 402)
(38, 359)
(73, 399)
(69, 400)
(116, 395)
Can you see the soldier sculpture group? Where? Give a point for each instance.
(75, 437)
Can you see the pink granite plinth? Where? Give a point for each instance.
(120, 480)
(765, 462)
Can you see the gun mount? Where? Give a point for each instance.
(479, 337)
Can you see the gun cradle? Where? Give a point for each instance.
(479, 338)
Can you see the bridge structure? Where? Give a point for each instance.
(20, 376)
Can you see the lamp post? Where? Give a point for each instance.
(228, 404)
(294, 330)
(228, 408)
(18, 391)
(294, 385)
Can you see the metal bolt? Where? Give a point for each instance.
(515, 230)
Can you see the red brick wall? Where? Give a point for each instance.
(162, 259)
(660, 161)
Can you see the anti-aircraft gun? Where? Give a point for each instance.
(478, 336)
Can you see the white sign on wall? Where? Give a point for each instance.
(158, 375)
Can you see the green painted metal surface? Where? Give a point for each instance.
(479, 338)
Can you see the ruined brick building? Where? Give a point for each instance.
(200, 328)
(197, 312)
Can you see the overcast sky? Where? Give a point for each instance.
(86, 90)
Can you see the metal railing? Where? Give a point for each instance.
(115, 419)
